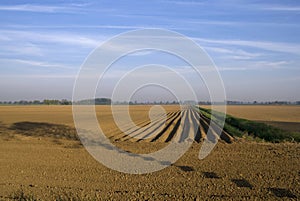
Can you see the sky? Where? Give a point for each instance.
(255, 45)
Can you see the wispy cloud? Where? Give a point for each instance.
(259, 66)
(74, 26)
(281, 8)
(50, 37)
(43, 64)
(21, 49)
(38, 63)
(232, 69)
(141, 53)
(233, 23)
(38, 76)
(265, 45)
(233, 53)
(273, 64)
(187, 3)
(38, 8)
(213, 22)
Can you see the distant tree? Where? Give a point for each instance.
(46, 102)
(54, 102)
(65, 102)
(23, 102)
(102, 101)
(36, 102)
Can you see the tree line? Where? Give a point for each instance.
(107, 101)
(38, 102)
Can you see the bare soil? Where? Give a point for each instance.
(41, 158)
(281, 113)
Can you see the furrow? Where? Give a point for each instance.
(174, 129)
(182, 129)
(136, 131)
(156, 133)
(206, 123)
(117, 134)
(197, 126)
(223, 134)
(167, 128)
(151, 130)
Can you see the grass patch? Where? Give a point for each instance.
(240, 127)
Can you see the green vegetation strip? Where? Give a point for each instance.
(242, 127)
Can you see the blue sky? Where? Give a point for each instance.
(254, 44)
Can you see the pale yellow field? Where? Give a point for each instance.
(283, 113)
(50, 114)
(63, 114)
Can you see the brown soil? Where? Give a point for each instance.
(41, 159)
(289, 126)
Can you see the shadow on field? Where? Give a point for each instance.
(41, 129)
(281, 193)
(211, 175)
(242, 183)
(186, 168)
